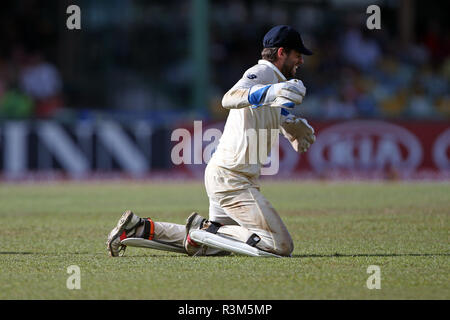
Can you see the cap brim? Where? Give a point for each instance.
(306, 51)
(303, 50)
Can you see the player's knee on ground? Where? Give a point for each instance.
(286, 248)
(282, 246)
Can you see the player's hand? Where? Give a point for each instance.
(299, 133)
(289, 91)
(283, 102)
(285, 94)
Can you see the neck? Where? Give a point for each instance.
(277, 64)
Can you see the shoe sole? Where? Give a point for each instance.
(189, 221)
(126, 217)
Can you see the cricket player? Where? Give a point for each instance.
(241, 220)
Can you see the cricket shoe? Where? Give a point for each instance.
(193, 222)
(126, 227)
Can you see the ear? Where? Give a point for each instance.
(281, 52)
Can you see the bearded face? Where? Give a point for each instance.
(289, 69)
(293, 61)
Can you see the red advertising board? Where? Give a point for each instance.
(379, 145)
(366, 148)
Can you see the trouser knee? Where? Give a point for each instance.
(282, 247)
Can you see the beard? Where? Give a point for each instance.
(288, 70)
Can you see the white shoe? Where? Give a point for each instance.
(126, 227)
(193, 222)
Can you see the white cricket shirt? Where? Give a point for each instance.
(237, 150)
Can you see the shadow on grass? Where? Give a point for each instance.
(338, 255)
(335, 255)
(87, 254)
(41, 253)
(16, 252)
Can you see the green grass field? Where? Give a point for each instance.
(339, 229)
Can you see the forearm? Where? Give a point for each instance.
(286, 95)
(236, 99)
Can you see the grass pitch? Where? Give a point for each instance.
(339, 229)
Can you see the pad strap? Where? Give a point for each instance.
(253, 240)
(213, 227)
(149, 229)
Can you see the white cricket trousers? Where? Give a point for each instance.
(236, 202)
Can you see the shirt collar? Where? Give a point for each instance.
(274, 68)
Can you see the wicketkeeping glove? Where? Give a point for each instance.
(299, 133)
(285, 94)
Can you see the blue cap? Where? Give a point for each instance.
(286, 37)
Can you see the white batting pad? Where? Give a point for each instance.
(152, 244)
(227, 244)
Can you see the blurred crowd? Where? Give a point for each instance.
(354, 72)
(374, 77)
(143, 62)
(30, 86)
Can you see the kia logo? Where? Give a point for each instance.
(440, 154)
(365, 145)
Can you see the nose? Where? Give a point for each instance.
(300, 60)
